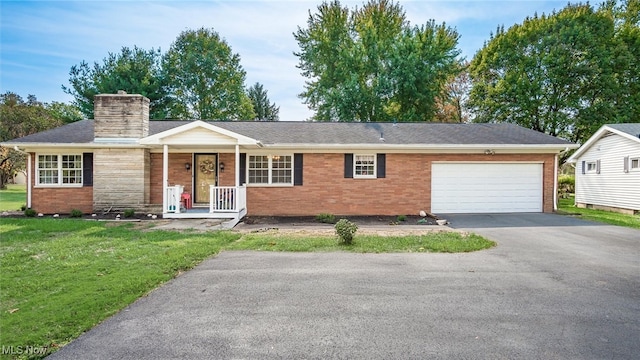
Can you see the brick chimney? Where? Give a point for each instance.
(120, 116)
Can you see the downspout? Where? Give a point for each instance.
(28, 175)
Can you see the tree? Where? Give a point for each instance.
(205, 79)
(264, 110)
(558, 74)
(451, 103)
(371, 65)
(135, 71)
(17, 119)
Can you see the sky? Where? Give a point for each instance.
(41, 40)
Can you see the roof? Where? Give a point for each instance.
(330, 133)
(630, 131)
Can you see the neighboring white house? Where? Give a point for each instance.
(608, 169)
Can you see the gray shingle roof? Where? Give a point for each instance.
(630, 128)
(332, 133)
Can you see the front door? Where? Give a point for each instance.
(206, 174)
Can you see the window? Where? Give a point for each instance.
(364, 166)
(635, 163)
(591, 166)
(270, 169)
(59, 169)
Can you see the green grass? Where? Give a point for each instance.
(565, 206)
(13, 197)
(448, 242)
(61, 277)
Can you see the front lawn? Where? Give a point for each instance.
(565, 206)
(61, 277)
(13, 198)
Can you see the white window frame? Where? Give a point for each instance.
(637, 160)
(271, 158)
(60, 169)
(358, 174)
(591, 167)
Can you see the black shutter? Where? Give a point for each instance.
(297, 169)
(381, 165)
(626, 164)
(598, 167)
(243, 168)
(348, 166)
(584, 164)
(87, 169)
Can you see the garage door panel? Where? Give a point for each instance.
(486, 187)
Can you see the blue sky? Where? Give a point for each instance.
(41, 40)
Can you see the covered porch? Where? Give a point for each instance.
(200, 174)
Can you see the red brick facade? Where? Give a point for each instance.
(59, 200)
(406, 188)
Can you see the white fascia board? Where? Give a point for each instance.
(34, 147)
(157, 138)
(440, 148)
(597, 136)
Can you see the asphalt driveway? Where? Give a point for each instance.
(554, 288)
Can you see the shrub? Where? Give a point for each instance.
(401, 218)
(75, 213)
(566, 185)
(129, 213)
(326, 218)
(29, 212)
(345, 230)
(23, 207)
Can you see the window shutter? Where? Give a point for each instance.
(87, 169)
(243, 168)
(626, 164)
(584, 165)
(597, 166)
(348, 166)
(297, 169)
(381, 165)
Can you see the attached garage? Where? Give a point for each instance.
(482, 187)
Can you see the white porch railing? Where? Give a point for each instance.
(174, 200)
(227, 198)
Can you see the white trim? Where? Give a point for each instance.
(367, 176)
(158, 139)
(60, 183)
(555, 182)
(269, 172)
(597, 136)
(165, 175)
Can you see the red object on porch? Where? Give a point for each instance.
(186, 200)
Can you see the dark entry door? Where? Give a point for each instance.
(206, 174)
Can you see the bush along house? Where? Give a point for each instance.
(217, 169)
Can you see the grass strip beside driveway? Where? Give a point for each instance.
(566, 206)
(61, 277)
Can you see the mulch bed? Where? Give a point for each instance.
(360, 220)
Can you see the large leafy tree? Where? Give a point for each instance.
(264, 110)
(135, 71)
(452, 101)
(205, 79)
(20, 118)
(559, 74)
(370, 64)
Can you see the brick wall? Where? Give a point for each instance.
(59, 200)
(406, 189)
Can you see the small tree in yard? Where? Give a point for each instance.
(346, 230)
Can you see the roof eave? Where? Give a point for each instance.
(597, 136)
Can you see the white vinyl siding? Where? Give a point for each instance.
(613, 186)
(486, 187)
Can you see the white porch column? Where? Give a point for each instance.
(555, 183)
(29, 181)
(238, 165)
(165, 176)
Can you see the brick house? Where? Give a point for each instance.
(213, 169)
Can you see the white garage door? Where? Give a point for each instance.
(486, 187)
